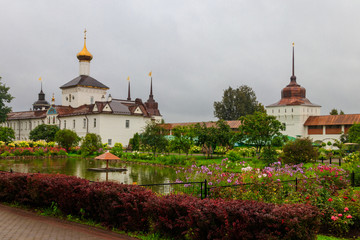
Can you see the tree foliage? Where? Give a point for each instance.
(236, 103)
(67, 138)
(211, 137)
(135, 142)
(154, 137)
(7, 134)
(334, 111)
(259, 129)
(354, 133)
(183, 138)
(90, 144)
(5, 97)
(298, 151)
(44, 132)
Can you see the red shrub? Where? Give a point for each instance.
(178, 216)
(118, 205)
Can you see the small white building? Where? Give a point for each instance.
(87, 108)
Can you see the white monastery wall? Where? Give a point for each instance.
(78, 96)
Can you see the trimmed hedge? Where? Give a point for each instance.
(134, 208)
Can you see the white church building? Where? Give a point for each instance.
(87, 108)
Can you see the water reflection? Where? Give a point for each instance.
(136, 173)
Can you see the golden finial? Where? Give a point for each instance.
(84, 54)
(128, 78)
(53, 98)
(293, 44)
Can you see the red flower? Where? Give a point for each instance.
(353, 200)
(330, 200)
(307, 197)
(345, 197)
(348, 216)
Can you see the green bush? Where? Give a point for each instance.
(299, 151)
(67, 138)
(90, 144)
(117, 149)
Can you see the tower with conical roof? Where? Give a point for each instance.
(83, 89)
(293, 108)
(41, 103)
(151, 104)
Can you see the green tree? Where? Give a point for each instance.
(334, 111)
(90, 144)
(67, 138)
(236, 103)
(154, 137)
(211, 137)
(5, 97)
(7, 134)
(135, 142)
(259, 129)
(183, 138)
(354, 133)
(298, 151)
(44, 132)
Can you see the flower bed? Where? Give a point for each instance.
(133, 208)
(6, 151)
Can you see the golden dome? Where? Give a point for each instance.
(84, 54)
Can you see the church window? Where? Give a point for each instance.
(53, 119)
(84, 123)
(69, 97)
(74, 123)
(285, 110)
(94, 122)
(64, 124)
(26, 126)
(127, 123)
(279, 110)
(91, 100)
(292, 110)
(273, 111)
(48, 120)
(109, 142)
(73, 97)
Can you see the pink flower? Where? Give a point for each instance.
(340, 215)
(334, 218)
(346, 209)
(348, 216)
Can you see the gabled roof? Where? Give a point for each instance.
(84, 81)
(345, 119)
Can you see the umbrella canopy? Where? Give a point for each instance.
(107, 156)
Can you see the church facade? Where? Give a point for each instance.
(87, 108)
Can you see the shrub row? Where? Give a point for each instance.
(134, 208)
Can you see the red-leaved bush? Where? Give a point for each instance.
(134, 208)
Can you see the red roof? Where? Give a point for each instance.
(233, 124)
(345, 119)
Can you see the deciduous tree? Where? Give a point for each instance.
(7, 134)
(44, 132)
(154, 137)
(259, 129)
(236, 103)
(5, 97)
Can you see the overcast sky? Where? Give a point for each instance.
(195, 49)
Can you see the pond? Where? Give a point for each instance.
(135, 174)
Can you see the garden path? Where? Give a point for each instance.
(24, 225)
